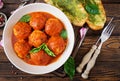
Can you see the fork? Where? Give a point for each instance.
(87, 57)
(104, 36)
(23, 2)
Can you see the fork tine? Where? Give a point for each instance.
(108, 28)
(110, 21)
(111, 29)
(108, 24)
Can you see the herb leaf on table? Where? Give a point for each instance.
(69, 67)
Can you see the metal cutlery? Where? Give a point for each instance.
(87, 57)
(104, 36)
(23, 2)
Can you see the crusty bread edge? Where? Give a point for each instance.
(82, 22)
(75, 21)
(91, 25)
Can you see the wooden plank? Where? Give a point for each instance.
(18, 1)
(15, 1)
(11, 1)
(8, 70)
(114, 33)
(8, 8)
(104, 68)
(10, 5)
(111, 1)
(59, 79)
(112, 9)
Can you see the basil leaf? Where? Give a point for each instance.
(25, 18)
(63, 34)
(69, 67)
(35, 50)
(92, 8)
(45, 48)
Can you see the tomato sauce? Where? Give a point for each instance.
(36, 35)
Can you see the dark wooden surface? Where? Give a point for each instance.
(107, 67)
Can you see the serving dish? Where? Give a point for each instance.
(7, 42)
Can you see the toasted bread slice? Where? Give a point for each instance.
(97, 21)
(73, 9)
(78, 15)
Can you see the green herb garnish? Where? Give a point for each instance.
(69, 67)
(91, 7)
(45, 48)
(48, 51)
(63, 34)
(25, 18)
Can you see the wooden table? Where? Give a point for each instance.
(107, 67)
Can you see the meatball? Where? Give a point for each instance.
(40, 58)
(37, 37)
(35, 14)
(47, 15)
(53, 26)
(22, 48)
(37, 21)
(56, 44)
(21, 30)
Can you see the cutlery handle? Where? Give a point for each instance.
(86, 58)
(21, 5)
(91, 64)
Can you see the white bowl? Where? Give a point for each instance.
(7, 42)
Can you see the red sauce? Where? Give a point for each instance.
(37, 38)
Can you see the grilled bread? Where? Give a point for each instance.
(73, 9)
(97, 21)
(78, 11)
